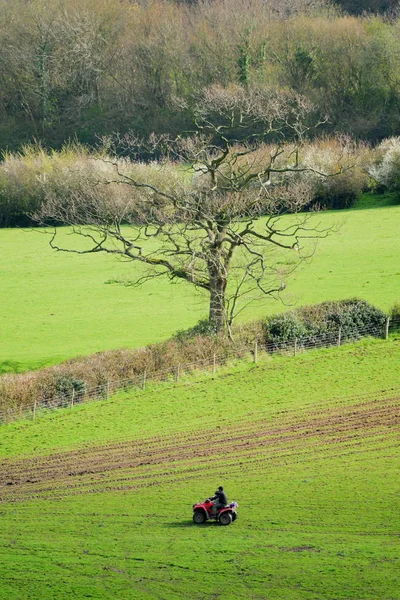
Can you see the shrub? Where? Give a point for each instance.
(91, 375)
(28, 177)
(394, 314)
(68, 386)
(203, 328)
(385, 166)
(33, 177)
(285, 327)
(328, 155)
(319, 325)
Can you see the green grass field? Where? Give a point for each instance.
(95, 501)
(56, 306)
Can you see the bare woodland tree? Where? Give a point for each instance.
(211, 211)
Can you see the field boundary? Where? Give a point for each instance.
(41, 404)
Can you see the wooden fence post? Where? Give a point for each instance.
(386, 332)
(144, 380)
(108, 388)
(177, 373)
(72, 397)
(34, 409)
(339, 341)
(295, 346)
(255, 352)
(214, 363)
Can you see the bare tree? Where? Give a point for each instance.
(210, 212)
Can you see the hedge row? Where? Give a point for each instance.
(91, 375)
(321, 324)
(314, 325)
(29, 178)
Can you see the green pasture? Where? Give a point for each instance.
(289, 382)
(56, 306)
(321, 531)
(318, 521)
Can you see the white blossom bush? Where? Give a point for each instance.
(336, 171)
(385, 168)
(30, 178)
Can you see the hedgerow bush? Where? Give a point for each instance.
(93, 375)
(202, 328)
(67, 387)
(385, 166)
(335, 171)
(330, 156)
(394, 314)
(96, 375)
(27, 177)
(34, 177)
(319, 325)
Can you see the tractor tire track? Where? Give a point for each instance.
(146, 462)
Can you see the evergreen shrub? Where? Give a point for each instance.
(394, 314)
(67, 385)
(203, 327)
(320, 324)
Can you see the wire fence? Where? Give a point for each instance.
(295, 346)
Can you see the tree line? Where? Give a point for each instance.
(79, 69)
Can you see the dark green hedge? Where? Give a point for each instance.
(320, 324)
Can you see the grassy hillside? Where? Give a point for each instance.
(56, 306)
(368, 366)
(95, 501)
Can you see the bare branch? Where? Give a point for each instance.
(213, 211)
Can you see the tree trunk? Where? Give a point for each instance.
(217, 316)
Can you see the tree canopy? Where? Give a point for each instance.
(78, 69)
(209, 212)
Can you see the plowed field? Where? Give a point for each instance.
(337, 431)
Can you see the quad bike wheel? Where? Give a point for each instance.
(225, 518)
(199, 517)
(234, 516)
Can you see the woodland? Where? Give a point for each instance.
(81, 69)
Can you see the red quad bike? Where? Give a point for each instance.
(202, 512)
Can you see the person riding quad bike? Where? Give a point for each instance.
(220, 500)
(216, 508)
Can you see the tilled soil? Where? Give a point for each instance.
(147, 462)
